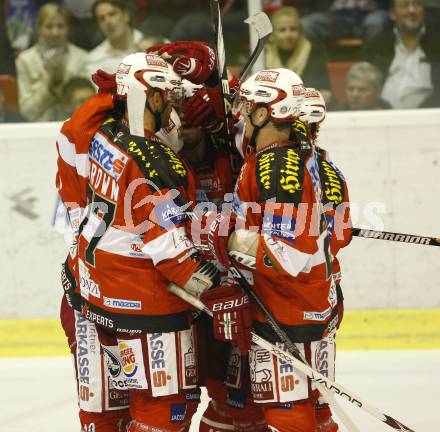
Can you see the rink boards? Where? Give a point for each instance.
(360, 330)
(391, 161)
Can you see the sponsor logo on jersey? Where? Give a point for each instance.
(128, 359)
(177, 412)
(264, 168)
(159, 376)
(261, 377)
(285, 372)
(87, 285)
(317, 316)
(290, 176)
(168, 214)
(114, 368)
(175, 162)
(107, 156)
(122, 304)
(280, 227)
(333, 187)
(268, 76)
(83, 357)
(322, 357)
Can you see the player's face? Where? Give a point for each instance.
(361, 94)
(286, 32)
(112, 21)
(408, 15)
(53, 31)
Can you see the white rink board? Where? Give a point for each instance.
(388, 157)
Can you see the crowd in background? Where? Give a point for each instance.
(361, 54)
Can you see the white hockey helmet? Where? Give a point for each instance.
(136, 74)
(281, 90)
(314, 108)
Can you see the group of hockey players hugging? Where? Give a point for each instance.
(162, 189)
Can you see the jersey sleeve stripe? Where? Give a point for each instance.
(168, 245)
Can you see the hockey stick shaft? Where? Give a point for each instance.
(325, 393)
(307, 370)
(397, 237)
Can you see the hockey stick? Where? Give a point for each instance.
(307, 370)
(284, 338)
(262, 25)
(397, 237)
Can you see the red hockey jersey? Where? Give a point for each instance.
(127, 198)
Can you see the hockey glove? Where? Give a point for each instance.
(194, 61)
(210, 234)
(104, 81)
(231, 315)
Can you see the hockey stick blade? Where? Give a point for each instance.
(262, 25)
(397, 237)
(307, 370)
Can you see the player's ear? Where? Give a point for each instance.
(260, 115)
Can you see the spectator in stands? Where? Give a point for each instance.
(84, 30)
(43, 69)
(6, 115)
(113, 19)
(75, 92)
(347, 18)
(363, 88)
(149, 40)
(289, 48)
(409, 58)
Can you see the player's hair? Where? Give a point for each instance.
(365, 70)
(117, 3)
(48, 10)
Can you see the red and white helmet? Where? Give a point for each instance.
(313, 109)
(281, 90)
(137, 73)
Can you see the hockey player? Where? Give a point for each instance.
(336, 204)
(287, 234)
(127, 194)
(224, 371)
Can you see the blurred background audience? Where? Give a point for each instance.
(361, 54)
(75, 92)
(363, 88)
(289, 48)
(409, 57)
(43, 69)
(113, 18)
(7, 115)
